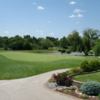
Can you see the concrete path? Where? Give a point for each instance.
(32, 88)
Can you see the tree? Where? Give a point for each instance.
(28, 38)
(6, 43)
(96, 48)
(64, 43)
(45, 43)
(1, 42)
(89, 38)
(55, 41)
(75, 41)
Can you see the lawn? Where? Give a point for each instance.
(23, 64)
(88, 77)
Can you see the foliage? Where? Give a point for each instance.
(89, 38)
(75, 71)
(64, 43)
(85, 66)
(91, 53)
(96, 48)
(93, 65)
(63, 79)
(54, 40)
(45, 43)
(27, 42)
(62, 51)
(74, 42)
(91, 88)
(68, 51)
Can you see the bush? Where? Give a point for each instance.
(91, 53)
(85, 66)
(97, 48)
(91, 88)
(75, 71)
(63, 79)
(90, 66)
(62, 51)
(95, 65)
(68, 51)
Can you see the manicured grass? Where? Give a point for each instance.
(23, 64)
(41, 57)
(88, 77)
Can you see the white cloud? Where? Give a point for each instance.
(77, 13)
(40, 8)
(77, 10)
(80, 15)
(72, 2)
(72, 16)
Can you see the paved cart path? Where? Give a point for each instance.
(32, 88)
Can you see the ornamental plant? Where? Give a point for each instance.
(62, 79)
(75, 71)
(93, 65)
(85, 66)
(91, 88)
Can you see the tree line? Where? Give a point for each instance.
(89, 41)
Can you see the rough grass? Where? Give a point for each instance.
(89, 77)
(23, 64)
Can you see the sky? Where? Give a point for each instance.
(42, 18)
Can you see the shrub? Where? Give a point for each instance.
(91, 53)
(91, 88)
(62, 51)
(85, 66)
(97, 48)
(95, 65)
(75, 71)
(63, 79)
(68, 51)
(90, 66)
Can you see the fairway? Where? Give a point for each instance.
(23, 64)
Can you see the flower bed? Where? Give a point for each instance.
(69, 86)
(63, 82)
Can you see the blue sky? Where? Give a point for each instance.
(42, 18)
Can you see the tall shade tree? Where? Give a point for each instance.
(64, 43)
(45, 43)
(1, 42)
(75, 41)
(96, 48)
(89, 38)
(54, 40)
